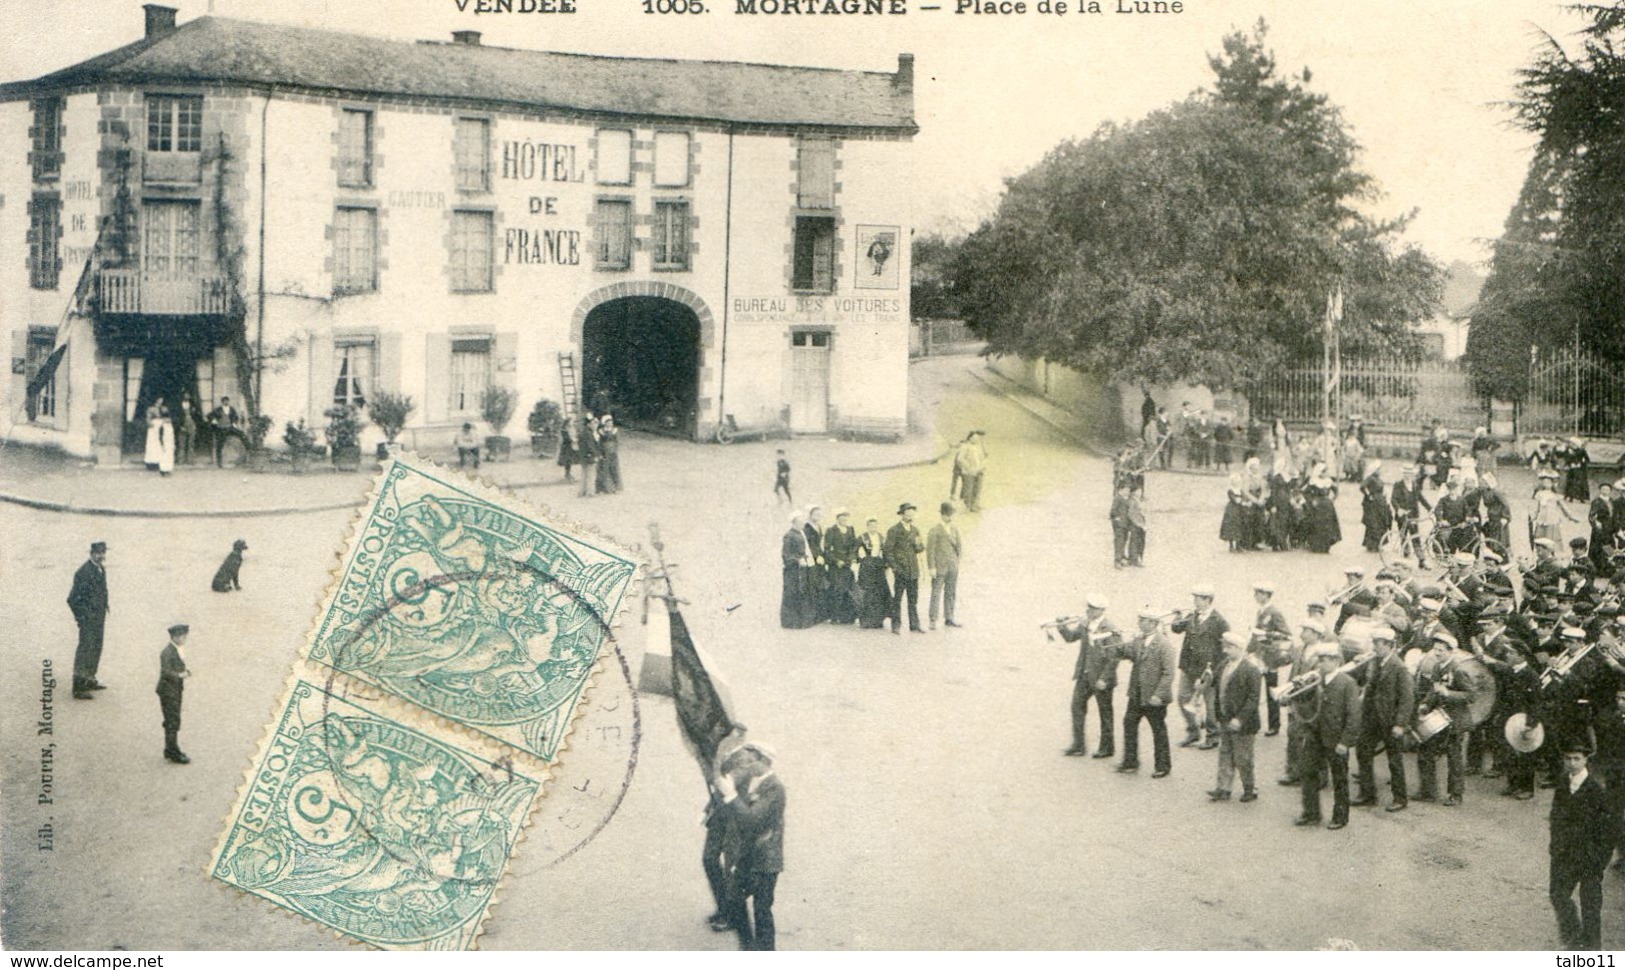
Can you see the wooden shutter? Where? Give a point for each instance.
(436, 377)
(505, 360)
(321, 376)
(389, 364)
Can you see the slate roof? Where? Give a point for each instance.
(218, 49)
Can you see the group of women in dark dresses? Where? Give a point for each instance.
(833, 573)
(1281, 510)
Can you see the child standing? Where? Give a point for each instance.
(781, 478)
(172, 674)
(1120, 524)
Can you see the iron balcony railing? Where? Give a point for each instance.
(134, 291)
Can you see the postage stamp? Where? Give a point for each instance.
(452, 601)
(371, 827)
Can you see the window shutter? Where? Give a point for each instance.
(505, 360)
(389, 364)
(437, 377)
(321, 376)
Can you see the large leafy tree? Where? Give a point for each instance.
(1557, 275)
(1198, 244)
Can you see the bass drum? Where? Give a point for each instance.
(1482, 689)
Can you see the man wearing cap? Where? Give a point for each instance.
(1450, 516)
(1235, 695)
(1311, 635)
(1331, 730)
(1402, 499)
(1094, 676)
(1496, 649)
(970, 461)
(1582, 826)
(1545, 575)
(1356, 596)
(942, 560)
(1386, 708)
(1150, 688)
(1198, 659)
(172, 674)
(903, 548)
(1272, 645)
(1441, 683)
(753, 800)
(88, 602)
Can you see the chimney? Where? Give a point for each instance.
(160, 19)
(903, 80)
(469, 37)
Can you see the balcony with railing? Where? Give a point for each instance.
(120, 291)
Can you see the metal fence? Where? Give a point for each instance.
(1572, 393)
(929, 338)
(1394, 392)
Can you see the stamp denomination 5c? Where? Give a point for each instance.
(372, 827)
(453, 602)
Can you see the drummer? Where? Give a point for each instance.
(1442, 693)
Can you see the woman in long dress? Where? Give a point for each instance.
(1231, 526)
(1255, 491)
(1322, 530)
(874, 592)
(150, 453)
(166, 441)
(817, 587)
(1546, 520)
(1375, 513)
(609, 456)
(793, 554)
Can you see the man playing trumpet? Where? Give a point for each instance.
(1271, 644)
(1332, 728)
(1094, 675)
(1198, 658)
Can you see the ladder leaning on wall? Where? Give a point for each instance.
(568, 388)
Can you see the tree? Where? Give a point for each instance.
(931, 293)
(1557, 276)
(1197, 244)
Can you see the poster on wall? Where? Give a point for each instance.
(877, 258)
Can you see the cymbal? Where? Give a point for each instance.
(1524, 741)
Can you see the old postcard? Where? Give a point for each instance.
(1188, 433)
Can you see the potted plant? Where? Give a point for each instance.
(301, 442)
(546, 424)
(258, 427)
(496, 407)
(344, 436)
(389, 412)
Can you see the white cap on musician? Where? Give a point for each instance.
(1150, 613)
(1264, 588)
(1444, 637)
(1096, 601)
(1202, 589)
(1572, 633)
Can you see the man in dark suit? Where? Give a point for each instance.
(942, 560)
(1386, 709)
(172, 674)
(1441, 683)
(1094, 676)
(1198, 660)
(753, 799)
(1581, 825)
(1271, 645)
(1332, 732)
(88, 601)
(1150, 688)
(1235, 693)
(1601, 519)
(222, 425)
(903, 548)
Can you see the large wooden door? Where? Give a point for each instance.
(809, 381)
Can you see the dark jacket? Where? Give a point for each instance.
(1582, 825)
(1098, 652)
(903, 548)
(1390, 697)
(1338, 720)
(794, 547)
(88, 598)
(758, 827)
(840, 546)
(1238, 694)
(1203, 644)
(171, 671)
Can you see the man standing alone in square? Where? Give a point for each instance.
(942, 560)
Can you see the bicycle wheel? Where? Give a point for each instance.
(1393, 548)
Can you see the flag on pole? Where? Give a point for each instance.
(702, 705)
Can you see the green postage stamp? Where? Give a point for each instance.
(372, 827)
(434, 695)
(459, 605)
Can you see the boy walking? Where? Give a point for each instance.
(781, 478)
(172, 674)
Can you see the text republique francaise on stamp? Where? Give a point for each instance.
(444, 672)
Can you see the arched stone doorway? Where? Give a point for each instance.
(640, 359)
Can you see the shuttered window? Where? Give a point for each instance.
(471, 241)
(814, 255)
(355, 250)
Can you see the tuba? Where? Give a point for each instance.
(1311, 681)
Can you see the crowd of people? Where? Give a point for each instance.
(171, 436)
(1502, 669)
